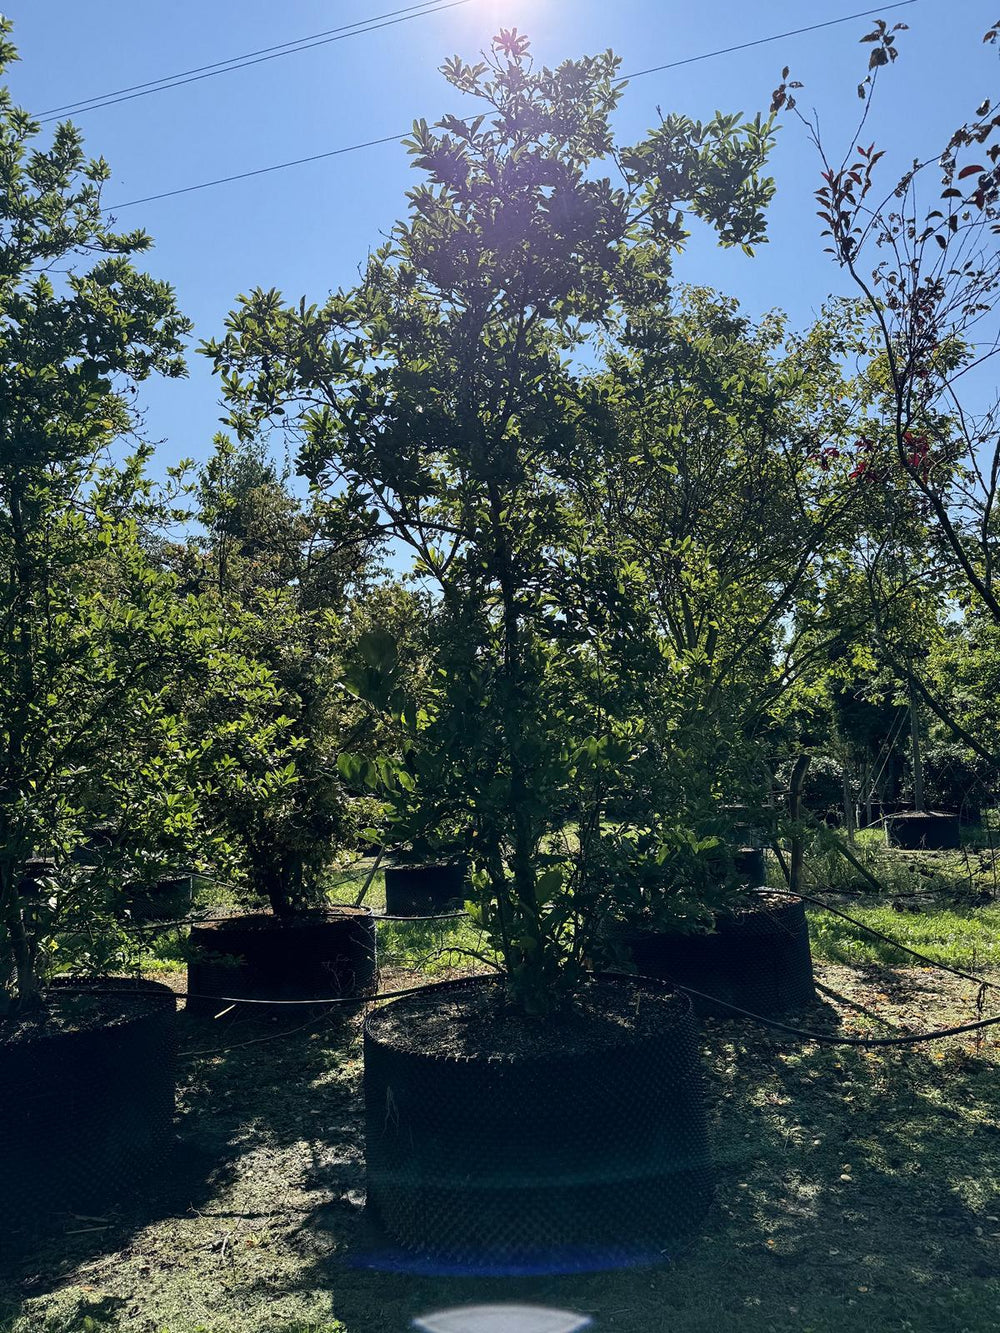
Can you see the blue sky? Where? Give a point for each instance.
(308, 229)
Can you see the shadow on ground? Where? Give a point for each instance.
(857, 1190)
(257, 1099)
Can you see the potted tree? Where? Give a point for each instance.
(89, 637)
(280, 571)
(442, 390)
(714, 482)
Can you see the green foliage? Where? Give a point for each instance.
(921, 250)
(89, 636)
(441, 392)
(711, 478)
(280, 573)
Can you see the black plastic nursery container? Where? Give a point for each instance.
(310, 956)
(86, 1099)
(750, 866)
(542, 1145)
(757, 958)
(166, 900)
(923, 831)
(419, 890)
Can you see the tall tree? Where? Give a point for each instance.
(283, 572)
(443, 391)
(90, 631)
(922, 250)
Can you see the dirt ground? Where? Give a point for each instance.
(856, 1190)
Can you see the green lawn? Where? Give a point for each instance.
(433, 948)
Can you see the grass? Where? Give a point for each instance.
(965, 937)
(857, 1190)
(942, 904)
(433, 948)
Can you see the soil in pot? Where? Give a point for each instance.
(498, 1144)
(86, 1099)
(757, 958)
(419, 890)
(309, 956)
(923, 831)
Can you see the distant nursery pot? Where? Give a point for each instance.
(757, 958)
(166, 900)
(750, 866)
(86, 1099)
(497, 1143)
(419, 890)
(309, 956)
(923, 831)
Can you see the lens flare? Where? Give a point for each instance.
(501, 1319)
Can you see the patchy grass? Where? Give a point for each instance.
(437, 949)
(857, 1190)
(971, 874)
(965, 937)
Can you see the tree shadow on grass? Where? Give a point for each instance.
(247, 1089)
(856, 1190)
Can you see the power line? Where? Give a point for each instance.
(249, 58)
(762, 41)
(260, 171)
(395, 138)
(84, 102)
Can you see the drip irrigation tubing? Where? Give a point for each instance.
(157, 927)
(270, 1004)
(823, 1038)
(828, 1039)
(430, 916)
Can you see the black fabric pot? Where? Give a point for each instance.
(86, 1115)
(166, 900)
(313, 956)
(583, 1159)
(917, 831)
(750, 866)
(757, 959)
(418, 890)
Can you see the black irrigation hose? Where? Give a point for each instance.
(823, 1038)
(431, 916)
(235, 999)
(160, 926)
(826, 1039)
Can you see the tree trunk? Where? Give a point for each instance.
(795, 810)
(20, 650)
(848, 802)
(528, 965)
(918, 762)
(26, 989)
